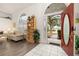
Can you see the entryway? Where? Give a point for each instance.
(60, 26)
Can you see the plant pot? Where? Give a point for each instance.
(77, 51)
(37, 42)
(59, 34)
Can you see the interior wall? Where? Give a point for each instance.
(5, 24)
(76, 11)
(3, 14)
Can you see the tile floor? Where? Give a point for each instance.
(46, 50)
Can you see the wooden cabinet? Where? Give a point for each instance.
(31, 26)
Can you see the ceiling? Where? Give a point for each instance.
(55, 7)
(13, 7)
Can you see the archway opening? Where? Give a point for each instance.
(53, 22)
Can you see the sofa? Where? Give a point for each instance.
(16, 36)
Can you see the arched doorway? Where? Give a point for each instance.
(53, 23)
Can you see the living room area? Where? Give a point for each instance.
(12, 40)
(13, 32)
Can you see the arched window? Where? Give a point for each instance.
(23, 23)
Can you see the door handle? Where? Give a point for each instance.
(72, 29)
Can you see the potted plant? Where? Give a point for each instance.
(59, 34)
(77, 43)
(36, 36)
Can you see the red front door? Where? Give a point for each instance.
(69, 47)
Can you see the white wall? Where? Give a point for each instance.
(3, 14)
(76, 15)
(5, 24)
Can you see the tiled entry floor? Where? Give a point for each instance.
(46, 50)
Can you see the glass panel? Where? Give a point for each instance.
(23, 23)
(66, 29)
